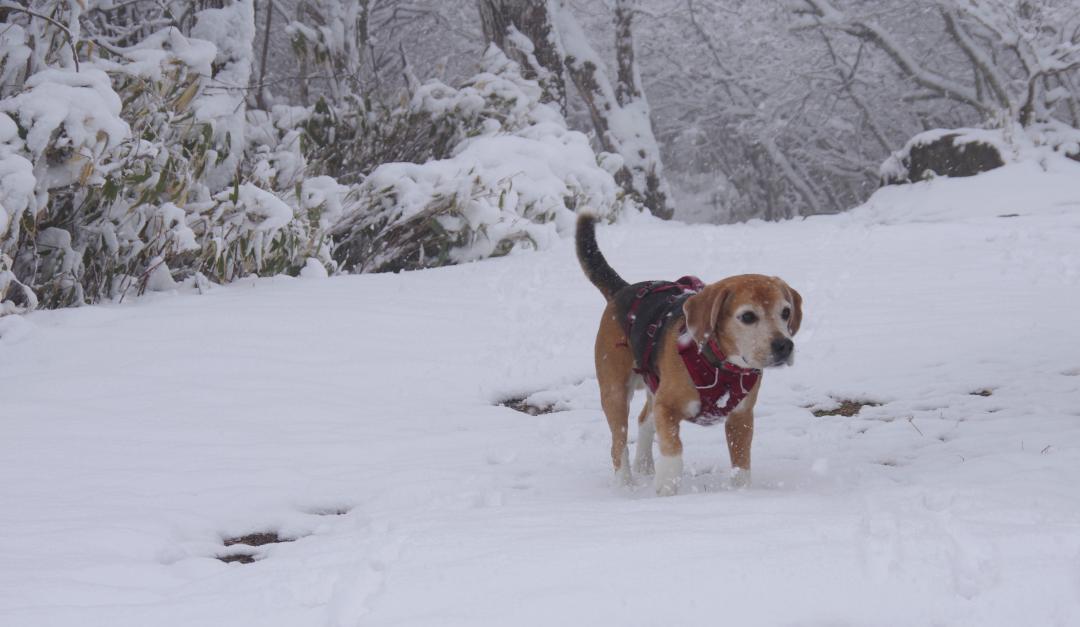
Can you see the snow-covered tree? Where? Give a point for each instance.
(524, 31)
(547, 39)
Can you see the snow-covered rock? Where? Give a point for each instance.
(969, 151)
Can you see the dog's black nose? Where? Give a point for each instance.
(782, 347)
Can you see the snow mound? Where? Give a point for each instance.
(1002, 193)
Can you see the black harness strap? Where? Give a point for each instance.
(652, 306)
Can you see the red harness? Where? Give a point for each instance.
(721, 385)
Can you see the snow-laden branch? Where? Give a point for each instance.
(41, 16)
(983, 64)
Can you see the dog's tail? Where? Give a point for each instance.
(596, 268)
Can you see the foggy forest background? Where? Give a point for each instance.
(146, 144)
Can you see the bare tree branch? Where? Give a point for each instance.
(828, 17)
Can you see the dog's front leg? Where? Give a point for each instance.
(740, 432)
(670, 465)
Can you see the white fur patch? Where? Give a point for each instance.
(739, 361)
(643, 457)
(631, 385)
(668, 474)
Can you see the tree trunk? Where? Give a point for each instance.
(628, 83)
(620, 114)
(523, 30)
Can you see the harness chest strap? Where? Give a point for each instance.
(715, 382)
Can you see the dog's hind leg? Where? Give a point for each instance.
(643, 457)
(615, 398)
(615, 375)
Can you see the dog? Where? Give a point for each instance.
(700, 350)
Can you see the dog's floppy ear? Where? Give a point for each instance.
(703, 311)
(795, 321)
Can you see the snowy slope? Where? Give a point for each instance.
(358, 415)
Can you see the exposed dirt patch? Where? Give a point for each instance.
(258, 539)
(331, 511)
(847, 407)
(983, 392)
(522, 405)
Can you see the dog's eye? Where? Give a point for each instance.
(748, 318)
(786, 313)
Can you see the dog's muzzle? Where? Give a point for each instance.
(783, 351)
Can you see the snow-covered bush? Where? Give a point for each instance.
(514, 176)
(349, 141)
(15, 297)
(17, 180)
(135, 155)
(136, 169)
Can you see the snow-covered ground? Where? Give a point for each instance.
(359, 416)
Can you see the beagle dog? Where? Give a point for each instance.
(681, 338)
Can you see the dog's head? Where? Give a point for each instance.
(753, 318)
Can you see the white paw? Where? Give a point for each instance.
(668, 475)
(740, 478)
(622, 473)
